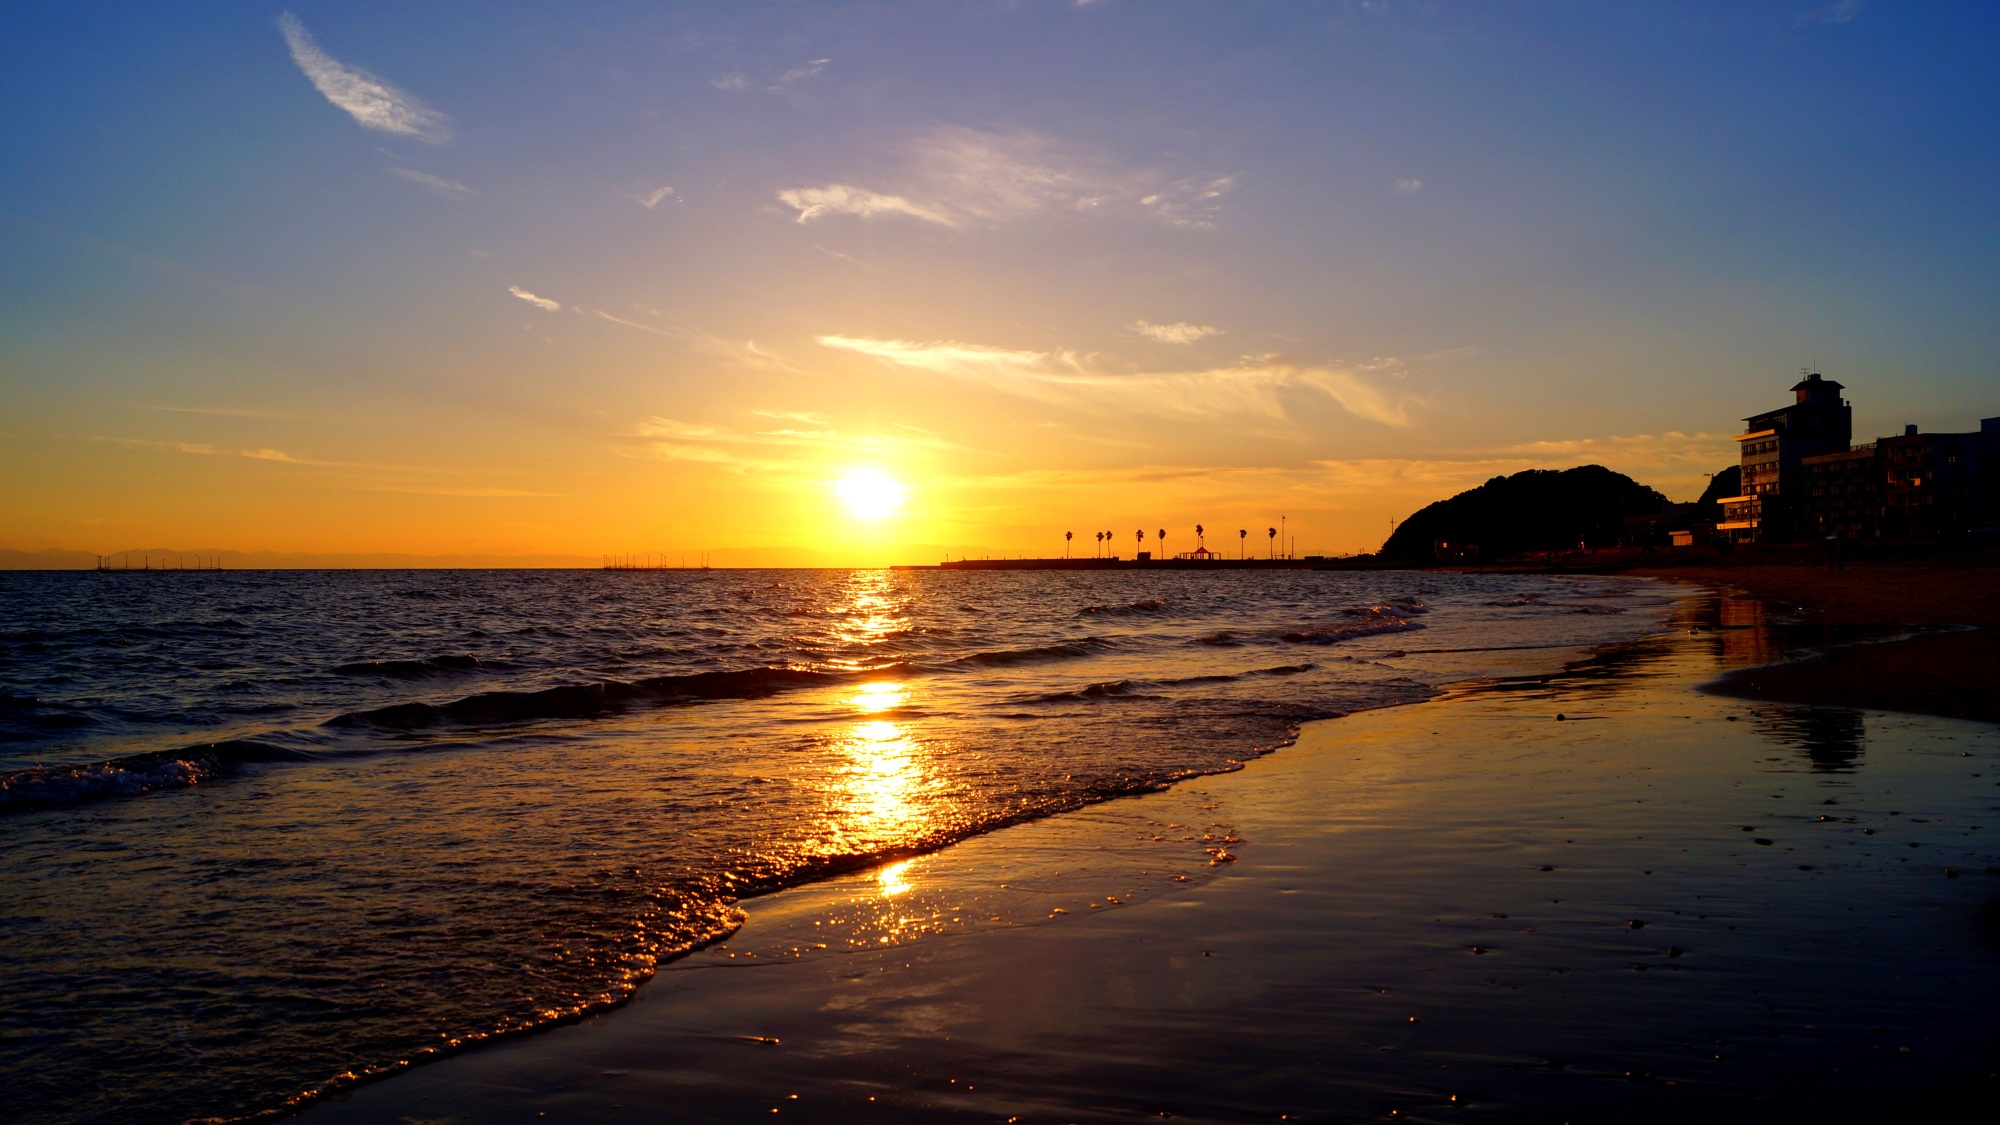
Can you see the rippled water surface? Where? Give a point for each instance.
(260, 831)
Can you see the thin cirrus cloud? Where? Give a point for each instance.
(209, 449)
(375, 103)
(956, 176)
(437, 185)
(1847, 11)
(785, 449)
(542, 303)
(653, 198)
(1409, 187)
(1255, 385)
(845, 199)
(737, 80)
(798, 74)
(216, 411)
(1179, 332)
(1673, 457)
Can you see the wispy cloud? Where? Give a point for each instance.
(636, 324)
(216, 411)
(542, 303)
(784, 449)
(746, 352)
(450, 189)
(208, 449)
(1179, 332)
(1847, 11)
(653, 198)
(1409, 187)
(1255, 385)
(365, 476)
(798, 74)
(1004, 175)
(737, 80)
(956, 176)
(845, 199)
(1671, 460)
(373, 102)
(452, 490)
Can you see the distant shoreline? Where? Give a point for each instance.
(1949, 673)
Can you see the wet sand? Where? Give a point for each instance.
(1665, 904)
(1954, 673)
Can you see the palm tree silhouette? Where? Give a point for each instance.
(1067, 536)
(1242, 533)
(1271, 533)
(1141, 533)
(1200, 536)
(1163, 542)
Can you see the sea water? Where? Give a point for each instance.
(262, 832)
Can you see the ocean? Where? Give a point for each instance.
(265, 832)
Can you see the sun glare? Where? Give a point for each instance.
(870, 494)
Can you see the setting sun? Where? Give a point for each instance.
(870, 494)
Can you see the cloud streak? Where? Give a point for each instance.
(774, 450)
(1179, 332)
(542, 303)
(438, 185)
(373, 102)
(846, 199)
(216, 411)
(1847, 11)
(1255, 385)
(955, 176)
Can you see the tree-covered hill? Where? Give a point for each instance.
(1534, 510)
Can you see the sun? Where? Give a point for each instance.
(870, 494)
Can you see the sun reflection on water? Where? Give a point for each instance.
(891, 880)
(885, 695)
(881, 780)
(872, 613)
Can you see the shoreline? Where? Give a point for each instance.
(1946, 669)
(689, 1004)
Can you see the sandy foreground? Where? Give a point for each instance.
(1664, 904)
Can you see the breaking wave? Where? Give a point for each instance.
(50, 786)
(582, 701)
(1068, 650)
(1149, 605)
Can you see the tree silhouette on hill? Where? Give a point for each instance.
(1536, 510)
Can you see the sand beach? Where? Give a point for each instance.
(1601, 894)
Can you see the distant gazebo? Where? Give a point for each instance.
(1202, 554)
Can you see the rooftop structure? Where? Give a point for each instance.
(1773, 447)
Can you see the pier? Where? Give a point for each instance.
(1308, 562)
(105, 565)
(646, 562)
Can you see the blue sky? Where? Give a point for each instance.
(594, 277)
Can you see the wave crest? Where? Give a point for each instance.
(184, 768)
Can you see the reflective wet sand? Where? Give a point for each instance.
(1662, 905)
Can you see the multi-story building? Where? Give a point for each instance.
(1913, 486)
(1843, 494)
(1930, 484)
(1773, 448)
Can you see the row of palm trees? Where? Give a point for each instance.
(1200, 533)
